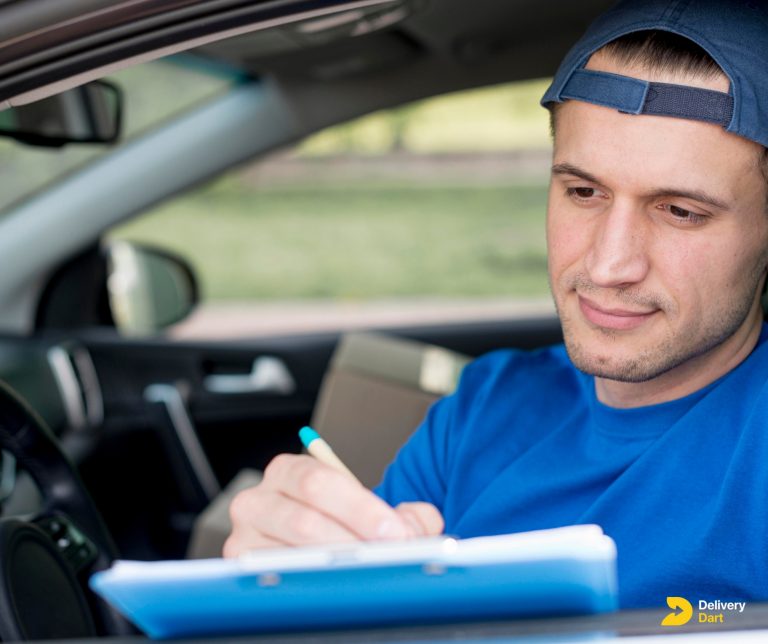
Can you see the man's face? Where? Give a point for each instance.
(657, 234)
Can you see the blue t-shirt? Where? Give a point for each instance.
(682, 487)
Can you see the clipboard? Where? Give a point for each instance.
(564, 571)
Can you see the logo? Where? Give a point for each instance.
(709, 611)
(675, 618)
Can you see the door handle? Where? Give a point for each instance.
(269, 375)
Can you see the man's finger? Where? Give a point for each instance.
(260, 513)
(424, 518)
(297, 524)
(240, 542)
(337, 495)
(263, 518)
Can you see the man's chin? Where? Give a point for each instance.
(621, 373)
(624, 355)
(635, 367)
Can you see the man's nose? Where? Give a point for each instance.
(618, 254)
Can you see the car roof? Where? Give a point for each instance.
(47, 46)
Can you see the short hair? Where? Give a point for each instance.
(663, 52)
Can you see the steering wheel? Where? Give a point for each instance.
(45, 560)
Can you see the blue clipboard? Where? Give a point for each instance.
(564, 571)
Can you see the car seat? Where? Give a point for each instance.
(375, 393)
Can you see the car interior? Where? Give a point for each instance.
(122, 445)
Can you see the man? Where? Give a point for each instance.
(654, 423)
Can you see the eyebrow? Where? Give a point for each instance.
(567, 168)
(696, 195)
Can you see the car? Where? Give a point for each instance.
(120, 425)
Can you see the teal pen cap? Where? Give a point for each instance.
(307, 435)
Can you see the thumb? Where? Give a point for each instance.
(424, 519)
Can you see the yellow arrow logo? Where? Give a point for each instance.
(678, 619)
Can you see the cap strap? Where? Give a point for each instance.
(635, 96)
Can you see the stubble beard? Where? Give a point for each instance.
(673, 349)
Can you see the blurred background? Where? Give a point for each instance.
(430, 211)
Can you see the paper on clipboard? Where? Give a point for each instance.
(561, 571)
(584, 541)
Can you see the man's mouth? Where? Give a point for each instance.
(613, 318)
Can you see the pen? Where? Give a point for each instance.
(322, 451)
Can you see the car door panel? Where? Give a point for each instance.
(238, 428)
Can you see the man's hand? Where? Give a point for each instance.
(301, 501)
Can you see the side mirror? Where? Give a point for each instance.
(148, 289)
(91, 113)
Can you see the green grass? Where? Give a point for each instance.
(375, 241)
(502, 117)
(356, 242)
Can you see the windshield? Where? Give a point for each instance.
(152, 93)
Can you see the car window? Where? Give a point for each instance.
(152, 92)
(429, 212)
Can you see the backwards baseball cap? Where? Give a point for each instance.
(733, 32)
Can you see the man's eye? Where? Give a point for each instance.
(581, 193)
(682, 214)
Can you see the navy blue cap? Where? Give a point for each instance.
(733, 32)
